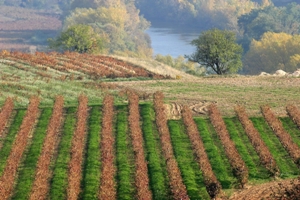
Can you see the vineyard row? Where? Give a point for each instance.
(152, 151)
(95, 66)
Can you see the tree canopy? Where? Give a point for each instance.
(270, 19)
(80, 38)
(120, 25)
(205, 13)
(218, 51)
(272, 52)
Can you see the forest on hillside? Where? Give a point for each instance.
(121, 24)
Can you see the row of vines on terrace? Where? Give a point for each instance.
(94, 66)
(133, 151)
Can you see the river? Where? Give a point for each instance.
(172, 41)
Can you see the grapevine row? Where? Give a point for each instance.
(8, 177)
(107, 185)
(260, 147)
(285, 138)
(294, 114)
(121, 66)
(141, 174)
(106, 66)
(176, 183)
(238, 166)
(213, 186)
(78, 141)
(41, 182)
(97, 66)
(5, 113)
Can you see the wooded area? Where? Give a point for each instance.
(119, 26)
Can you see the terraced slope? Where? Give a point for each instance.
(70, 74)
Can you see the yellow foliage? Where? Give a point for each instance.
(113, 15)
(272, 52)
(4, 53)
(295, 60)
(178, 77)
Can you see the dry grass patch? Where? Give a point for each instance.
(249, 91)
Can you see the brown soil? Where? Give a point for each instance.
(173, 110)
(266, 191)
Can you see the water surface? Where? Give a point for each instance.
(172, 41)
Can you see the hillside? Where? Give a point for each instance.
(69, 74)
(83, 85)
(47, 75)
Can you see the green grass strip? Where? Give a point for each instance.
(287, 167)
(245, 149)
(92, 164)
(10, 137)
(291, 128)
(215, 153)
(59, 182)
(125, 157)
(28, 166)
(190, 169)
(158, 177)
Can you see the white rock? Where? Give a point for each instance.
(280, 73)
(296, 73)
(264, 74)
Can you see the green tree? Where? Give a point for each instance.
(218, 51)
(121, 27)
(80, 38)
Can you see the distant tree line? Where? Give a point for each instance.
(270, 38)
(262, 27)
(116, 23)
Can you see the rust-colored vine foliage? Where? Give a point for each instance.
(141, 170)
(108, 169)
(178, 189)
(238, 166)
(285, 138)
(10, 171)
(41, 185)
(260, 147)
(294, 114)
(213, 186)
(92, 65)
(5, 113)
(78, 144)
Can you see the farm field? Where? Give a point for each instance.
(249, 91)
(84, 133)
(83, 124)
(27, 29)
(79, 126)
(48, 75)
(23, 75)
